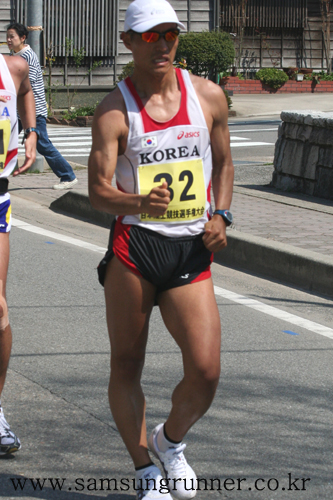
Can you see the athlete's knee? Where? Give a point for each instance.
(128, 367)
(4, 319)
(207, 376)
(211, 378)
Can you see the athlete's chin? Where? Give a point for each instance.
(161, 68)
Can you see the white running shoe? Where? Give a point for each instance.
(150, 485)
(8, 441)
(66, 184)
(175, 467)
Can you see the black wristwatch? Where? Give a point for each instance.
(27, 132)
(226, 216)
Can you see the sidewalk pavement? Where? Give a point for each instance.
(283, 236)
(264, 105)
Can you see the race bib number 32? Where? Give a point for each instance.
(186, 185)
(4, 142)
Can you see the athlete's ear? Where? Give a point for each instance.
(126, 38)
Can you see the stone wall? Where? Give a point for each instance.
(303, 159)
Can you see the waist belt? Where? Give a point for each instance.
(3, 185)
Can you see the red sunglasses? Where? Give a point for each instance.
(154, 36)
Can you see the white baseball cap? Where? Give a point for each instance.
(143, 15)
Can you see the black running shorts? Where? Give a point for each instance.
(163, 261)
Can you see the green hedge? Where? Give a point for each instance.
(207, 53)
(272, 77)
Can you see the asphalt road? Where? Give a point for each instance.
(253, 151)
(270, 423)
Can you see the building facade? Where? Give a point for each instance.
(278, 33)
(267, 33)
(92, 28)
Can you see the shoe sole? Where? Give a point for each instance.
(10, 450)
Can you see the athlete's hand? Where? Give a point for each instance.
(157, 201)
(3, 99)
(215, 237)
(30, 153)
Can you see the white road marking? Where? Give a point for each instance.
(83, 150)
(70, 142)
(63, 138)
(67, 140)
(250, 144)
(234, 297)
(56, 236)
(254, 130)
(276, 313)
(68, 131)
(80, 155)
(73, 144)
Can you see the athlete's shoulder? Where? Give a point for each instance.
(206, 88)
(110, 117)
(113, 101)
(211, 97)
(17, 66)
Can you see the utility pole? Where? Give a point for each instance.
(216, 26)
(35, 28)
(216, 15)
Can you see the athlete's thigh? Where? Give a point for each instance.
(129, 302)
(4, 259)
(191, 315)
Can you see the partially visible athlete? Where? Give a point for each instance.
(15, 91)
(17, 35)
(164, 134)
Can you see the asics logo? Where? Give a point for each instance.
(188, 135)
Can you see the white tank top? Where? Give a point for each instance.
(177, 151)
(8, 121)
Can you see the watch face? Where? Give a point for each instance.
(228, 215)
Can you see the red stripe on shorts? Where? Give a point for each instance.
(207, 273)
(121, 238)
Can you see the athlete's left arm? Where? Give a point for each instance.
(215, 108)
(26, 108)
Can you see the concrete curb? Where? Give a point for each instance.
(286, 263)
(308, 270)
(76, 203)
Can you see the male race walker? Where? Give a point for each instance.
(163, 132)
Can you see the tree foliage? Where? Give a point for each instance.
(206, 53)
(126, 71)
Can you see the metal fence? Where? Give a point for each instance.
(89, 24)
(263, 13)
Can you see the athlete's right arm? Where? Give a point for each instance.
(19, 71)
(109, 139)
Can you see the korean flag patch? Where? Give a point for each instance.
(149, 142)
